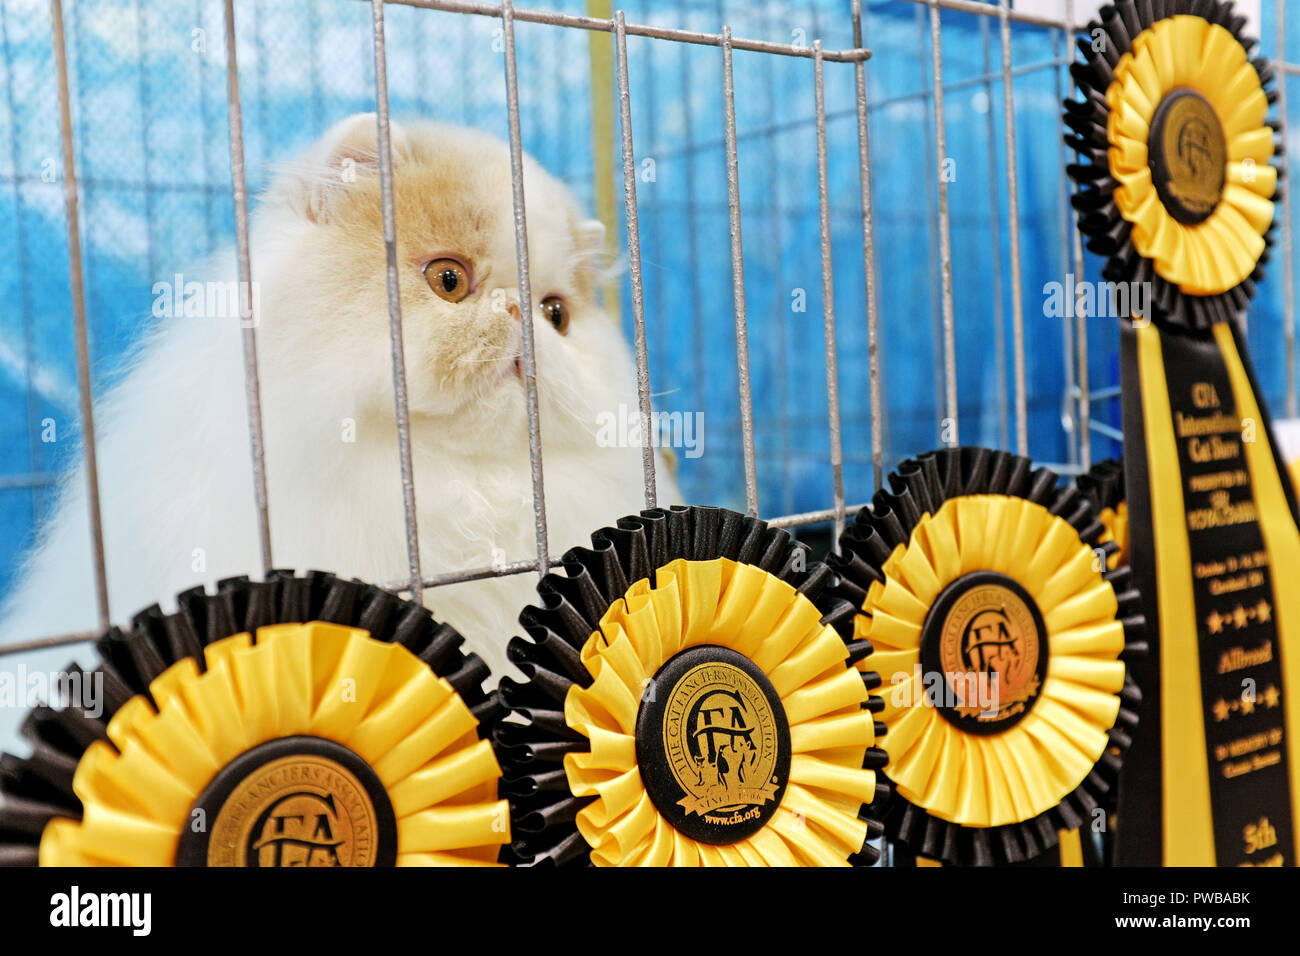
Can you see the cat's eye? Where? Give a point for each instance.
(556, 312)
(448, 278)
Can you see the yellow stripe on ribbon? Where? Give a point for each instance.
(1071, 848)
(1188, 826)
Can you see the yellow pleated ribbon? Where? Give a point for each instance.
(1217, 254)
(1008, 777)
(321, 680)
(1115, 521)
(762, 617)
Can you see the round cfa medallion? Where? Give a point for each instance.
(713, 744)
(295, 801)
(984, 652)
(1188, 156)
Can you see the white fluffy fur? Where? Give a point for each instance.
(172, 436)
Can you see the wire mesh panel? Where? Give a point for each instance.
(838, 224)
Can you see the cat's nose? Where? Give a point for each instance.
(513, 309)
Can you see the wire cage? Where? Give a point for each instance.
(840, 220)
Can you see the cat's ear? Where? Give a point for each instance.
(346, 154)
(590, 235)
(589, 249)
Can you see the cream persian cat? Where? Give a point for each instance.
(174, 463)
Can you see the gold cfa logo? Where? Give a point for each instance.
(1192, 155)
(299, 810)
(991, 634)
(721, 742)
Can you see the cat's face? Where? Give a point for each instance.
(458, 278)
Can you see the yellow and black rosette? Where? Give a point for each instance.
(692, 700)
(300, 721)
(1176, 154)
(1103, 486)
(1000, 639)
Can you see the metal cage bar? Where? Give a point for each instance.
(634, 29)
(1081, 324)
(525, 287)
(995, 245)
(77, 284)
(634, 261)
(252, 385)
(948, 434)
(393, 283)
(1067, 226)
(869, 258)
(1013, 223)
(828, 296)
(738, 276)
(932, 228)
(775, 236)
